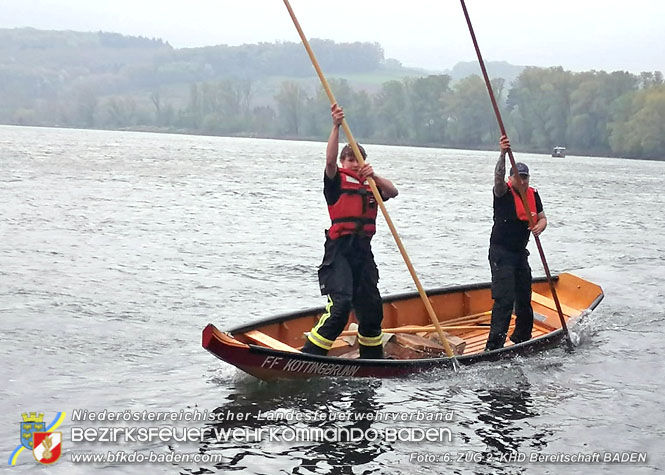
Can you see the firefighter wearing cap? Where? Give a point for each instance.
(348, 275)
(508, 255)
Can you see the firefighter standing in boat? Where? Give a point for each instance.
(508, 256)
(348, 273)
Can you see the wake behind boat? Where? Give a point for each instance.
(270, 349)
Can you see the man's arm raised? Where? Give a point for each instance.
(500, 186)
(333, 141)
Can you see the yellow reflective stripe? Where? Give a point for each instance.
(314, 336)
(322, 320)
(370, 340)
(318, 340)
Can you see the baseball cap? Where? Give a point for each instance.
(522, 169)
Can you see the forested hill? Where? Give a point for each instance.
(36, 63)
(111, 81)
(496, 69)
(28, 47)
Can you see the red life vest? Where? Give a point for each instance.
(355, 210)
(519, 205)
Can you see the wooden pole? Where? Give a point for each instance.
(516, 175)
(375, 190)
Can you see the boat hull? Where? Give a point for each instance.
(270, 363)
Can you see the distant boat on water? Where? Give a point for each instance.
(559, 152)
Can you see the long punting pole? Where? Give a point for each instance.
(375, 191)
(512, 162)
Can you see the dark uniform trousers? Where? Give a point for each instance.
(349, 277)
(511, 288)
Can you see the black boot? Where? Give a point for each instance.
(313, 349)
(371, 352)
(519, 339)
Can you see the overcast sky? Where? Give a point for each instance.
(576, 34)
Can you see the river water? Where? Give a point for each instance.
(117, 248)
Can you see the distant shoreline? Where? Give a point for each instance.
(159, 130)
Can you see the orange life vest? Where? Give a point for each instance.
(519, 205)
(355, 210)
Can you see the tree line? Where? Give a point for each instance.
(593, 112)
(267, 90)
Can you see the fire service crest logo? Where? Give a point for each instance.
(40, 438)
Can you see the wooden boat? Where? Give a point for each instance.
(270, 349)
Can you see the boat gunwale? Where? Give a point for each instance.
(389, 299)
(546, 340)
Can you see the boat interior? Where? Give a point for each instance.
(463, 313)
